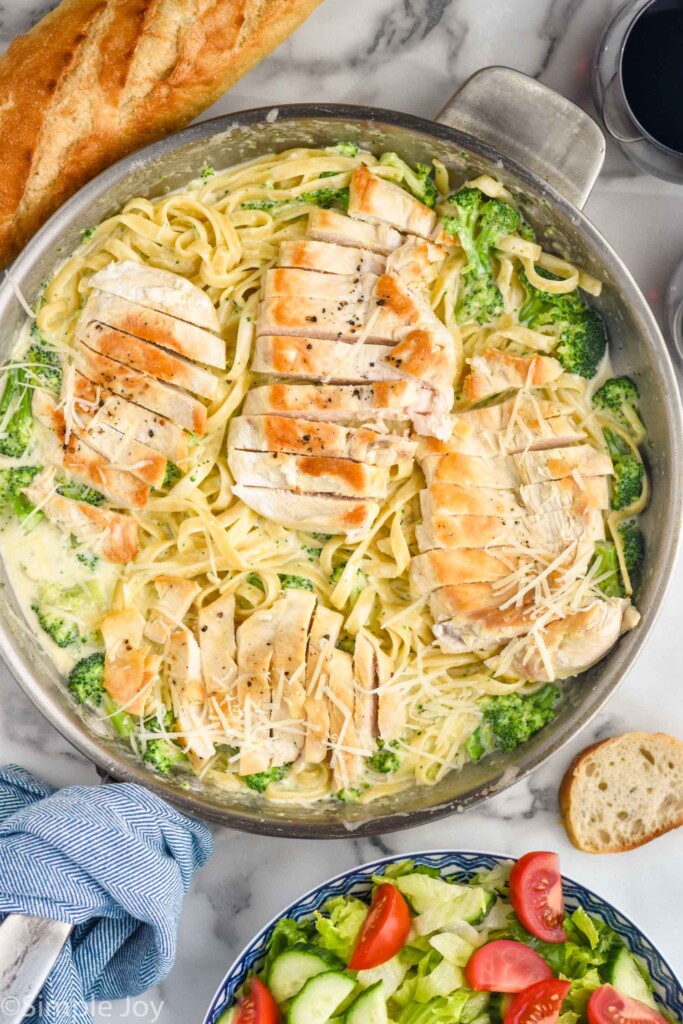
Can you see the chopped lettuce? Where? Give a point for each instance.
(339, 924)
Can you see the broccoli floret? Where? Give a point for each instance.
(627, 480)
(49, 605)
(349, 149)
(618, 398)
(526, 231)
(79, 492)
(87, 233)
(171, 475)
(479, 225)
(419, 181)
(289, 582)
(12, 484)
(62, 632)
(358, 583)
(323, 197)
(633, 544)
(583, 344)
(161, 753)
(261, 780)
(543, 308)
(256, 581)
(45, 366)
(607, 562)
(313, 553)
(350, 794)
(86, 679)
(510, 720)
(384, 760)
(323, 537)
(206, 172)
(121, 720)
(346, 643)
(18, 427)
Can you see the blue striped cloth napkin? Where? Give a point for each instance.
(116, 862)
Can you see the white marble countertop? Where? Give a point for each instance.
(410, 55)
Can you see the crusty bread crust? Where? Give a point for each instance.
(575, 776)
(96, 79)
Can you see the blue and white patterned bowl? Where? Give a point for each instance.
(462, 865)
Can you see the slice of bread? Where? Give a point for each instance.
(623, 792)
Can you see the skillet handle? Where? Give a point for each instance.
(533, 125)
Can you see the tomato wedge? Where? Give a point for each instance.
(608, 1006)
(384, 930)
(258, 1006)
(505, 966)
(539, 1004)
(536, 895)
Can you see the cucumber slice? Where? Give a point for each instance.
(370, 1007)
(623, 972)
(291, 970)
(320, 998)
(228, 1016)
(499, 1004)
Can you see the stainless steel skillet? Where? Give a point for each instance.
(549, 154)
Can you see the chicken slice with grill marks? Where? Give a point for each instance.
(306, 254)
(311, 512)
(79, 460)
(313, 284)
(126, 453)
(374, 200)
(157, 289)
(344, 759)
(321, 359)
(189, 693)
(365, 702)
(129, 668)
(148, 358)
(469, 439)
(174, 600)
(569, 646)
(106, 533)
(549, 532)
(216, 634)
(330, 226)
(524, 410)
(322, 641)
(458, 500)
(308, 474)
(414, 261)
(93, 403)
(484, 630)
(498, 471)
(255, 645)
(494, 371)
(335, 319)
(556, 463)
(309, 437)
(588, 494)
(168, 401)
(288, 676)
(167, 331)
(395, 400)
(443, 567)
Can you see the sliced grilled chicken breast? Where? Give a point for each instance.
(457, 500)
(170, 402)
(470, 439)
(576, 642)
(126, 453)
(498, 472)
(467, 600)
(392, 710)
(365, 702)
(523, 410)
(483, 629)
(157, 289)
(188, 693)
(174, 600)
(106, 533)
(555, 463)
(129, 668)
(330, 226)
(313, 284)
(309, 474)
(443, 568)
(324, 634)
(93, 403)
(345, 760)
(288, 676)
(413, 261)
(148, 358)
(310, 512)
(255, 645)
(588, 493)
(494, 371)
(160, 328)
(217, 646)
(548, 532)
(306, 254)
(308, 437)
(83, 462)
(382, 202)
(320, 359)
(395, 400)
(335, 319)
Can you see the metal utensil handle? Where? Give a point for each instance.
(533, 125)
(29, 947)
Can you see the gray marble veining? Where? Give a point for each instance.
(411, 55)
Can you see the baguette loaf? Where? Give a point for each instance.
(623, 792)
(96, 79)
